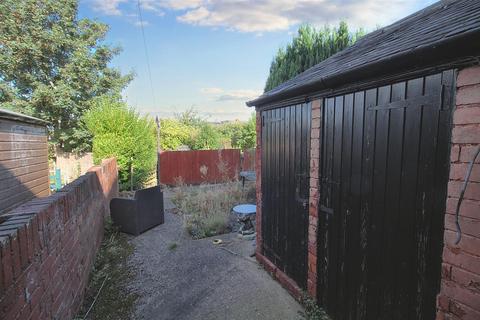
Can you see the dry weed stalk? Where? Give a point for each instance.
(206, 208)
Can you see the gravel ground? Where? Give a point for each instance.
(180, 278)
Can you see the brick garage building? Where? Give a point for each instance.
(360, 163)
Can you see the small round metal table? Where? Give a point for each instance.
(245, 213)
(247, 175)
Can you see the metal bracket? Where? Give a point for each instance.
(411, 102)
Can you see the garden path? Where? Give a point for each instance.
(179, 278)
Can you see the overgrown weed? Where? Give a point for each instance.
(206, 208)
(114, 301)
(312, 310)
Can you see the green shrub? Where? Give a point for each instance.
(120, 132)
(246, 136)
(190, 129)
(312, 310)
(205, 137)
(173, 134)
(201, 134)
(227, 131)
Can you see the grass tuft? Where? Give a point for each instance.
(312, 310)
(114, 301)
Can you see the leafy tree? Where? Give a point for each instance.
(189, 129)
(206, 137)
(52, 65)
(190, 117)
(201, 134)
(246, 137)
(173, 134)
(122, 133)
(228, 130)
(309, 47)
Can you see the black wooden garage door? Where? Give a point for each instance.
(285, 188)
(384, 171)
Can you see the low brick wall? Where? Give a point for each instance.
(288, 283)
(48, 246)
(459, 297)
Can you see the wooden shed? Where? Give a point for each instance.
(23, 159)
(360, 161)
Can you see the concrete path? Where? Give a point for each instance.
(180, 278)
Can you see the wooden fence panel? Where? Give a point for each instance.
(248, 160)
(199, 166)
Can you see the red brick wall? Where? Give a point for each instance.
(459, 296)
(48, 245)
(314, 197)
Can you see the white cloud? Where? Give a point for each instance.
(275, 15)
(152, 6)
(239, 95)
(141, 24)
(158, 6)
(244, 16)
(268, 15)
(211, 90)
(209, 112)
(180, 4)
(108, 7)
(112, 7)
(220, 94)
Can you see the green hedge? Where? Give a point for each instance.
(118, 131)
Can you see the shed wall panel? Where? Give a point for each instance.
(383, 185)
(23, 163)
(285, 177)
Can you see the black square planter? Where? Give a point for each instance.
(139, 214)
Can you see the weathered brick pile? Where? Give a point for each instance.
(460, 293)
(48, 246)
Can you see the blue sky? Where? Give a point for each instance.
(214, 55)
